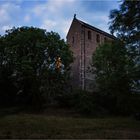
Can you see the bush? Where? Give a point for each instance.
(100, 104)
(83, 102)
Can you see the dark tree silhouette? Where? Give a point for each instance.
(125, 22)
(29, 65)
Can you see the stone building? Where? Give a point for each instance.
(83, 40)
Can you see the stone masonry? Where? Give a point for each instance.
(83, 40)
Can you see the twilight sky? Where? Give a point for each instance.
(54, 15)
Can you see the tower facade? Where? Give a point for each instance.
(83, 40)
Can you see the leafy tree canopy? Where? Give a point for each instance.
(125, 22)
(113, 73)
(28, 61)
(112, 68)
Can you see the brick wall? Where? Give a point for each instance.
(83, 47)
(74, 40)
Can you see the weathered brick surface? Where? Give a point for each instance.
(83, 49)
(74, 31)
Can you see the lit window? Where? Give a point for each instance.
(98, 38)
(89, 35)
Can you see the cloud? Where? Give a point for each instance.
(48, 24)
(9, 14)
(55, 15)
(4, 13)
(98, 19)
(52, 15)
(4, 16)
(6, 27)
(27, 18)
(60, 27)
(52, 6)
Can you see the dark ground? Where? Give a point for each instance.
(62, 123)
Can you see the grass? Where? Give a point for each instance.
(23, 125)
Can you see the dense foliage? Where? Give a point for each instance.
(125, 22)
(117, 65)
(34, 65)
(112, 68)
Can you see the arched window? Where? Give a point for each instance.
(105, 39)
(98, 38)
(89, 35)
(73, 39)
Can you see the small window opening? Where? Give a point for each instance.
(73, 39)
(105, 39)
(89, 35)
(98, 38)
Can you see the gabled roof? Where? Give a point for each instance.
(94, 28)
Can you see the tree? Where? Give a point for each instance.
(125, 22)
(111, 67)
(55, 79)
(28, 58)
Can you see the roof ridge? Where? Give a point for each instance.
(95, 28)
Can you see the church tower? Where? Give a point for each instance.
(83, 40)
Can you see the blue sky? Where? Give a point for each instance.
(54, 15)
